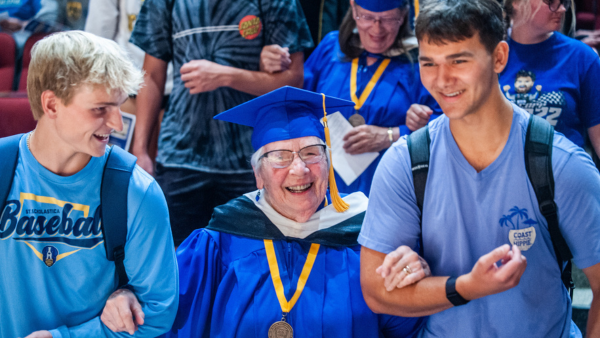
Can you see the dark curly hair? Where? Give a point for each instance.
(525, 73)
(443, 21)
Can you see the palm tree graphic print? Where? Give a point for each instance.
(513, 219)
(522, 233)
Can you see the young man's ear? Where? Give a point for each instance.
(500, 57)
(49, 104)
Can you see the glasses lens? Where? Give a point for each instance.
(554, 5)
(312, 154)
(279, 158)
(389, 22)
(366, 20)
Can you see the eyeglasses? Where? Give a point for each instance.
(280, 159)
(554, 5)
(366, 20)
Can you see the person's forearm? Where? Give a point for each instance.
(426, 297)
(593, 323)
(149, 101)
(594, 134)
(259, 83)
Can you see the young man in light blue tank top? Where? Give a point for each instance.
(55, 275)
(481, 231)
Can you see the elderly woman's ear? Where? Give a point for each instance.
(259, 181)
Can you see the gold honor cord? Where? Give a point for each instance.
(358, 103)
(286, 306)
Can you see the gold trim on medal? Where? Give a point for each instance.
(281, 329)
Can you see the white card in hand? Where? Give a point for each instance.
(349, 167)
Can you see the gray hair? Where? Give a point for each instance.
(64, 61)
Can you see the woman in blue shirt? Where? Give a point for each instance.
(550, 74)
(374, 45)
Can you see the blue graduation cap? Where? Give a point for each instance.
(285, 114)
(380, 5)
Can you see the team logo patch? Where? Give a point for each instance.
(49, 253)
(516, 219)
(74, 10)
(250, 26)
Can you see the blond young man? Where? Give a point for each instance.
(56, 277)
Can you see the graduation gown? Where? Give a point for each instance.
(327, 71)
(226, 289)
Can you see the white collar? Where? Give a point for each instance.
(322, 219)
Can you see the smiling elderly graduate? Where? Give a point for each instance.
(283, 259)
(479, 199)
(56, 277)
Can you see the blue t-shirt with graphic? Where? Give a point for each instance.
(227, 32)
(467, 214)
(556, 79)
(55, 274)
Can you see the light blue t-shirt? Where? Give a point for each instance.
(467, 214)
(55, 274)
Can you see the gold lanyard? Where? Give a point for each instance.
(308, 265)
(358, 103)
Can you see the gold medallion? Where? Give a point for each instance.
(356, 120)
(281, 329)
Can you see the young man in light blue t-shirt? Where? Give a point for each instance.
(478, 200)
(56, 278)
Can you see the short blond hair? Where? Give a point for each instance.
(63, 62)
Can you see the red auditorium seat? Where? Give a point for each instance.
(15, 115)
(7, 62)
(27, 58)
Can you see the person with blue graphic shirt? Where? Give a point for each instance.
(565, 70)
(283, 259)
(494, 269)
(215, 47)
(375, 44)
(56, 275)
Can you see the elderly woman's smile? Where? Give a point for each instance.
(297, 190)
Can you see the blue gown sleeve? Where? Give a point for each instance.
(314, 65)
(400, 327)
(150, 265)
(201, 271)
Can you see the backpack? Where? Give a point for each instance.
(113, 197)
(538, 164)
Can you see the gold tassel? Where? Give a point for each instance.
(338, 203)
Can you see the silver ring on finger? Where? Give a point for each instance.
(407, 270)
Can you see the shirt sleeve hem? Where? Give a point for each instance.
(374, 245)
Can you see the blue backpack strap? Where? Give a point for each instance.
(113, 199)
(9, 152)
(538, 163)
